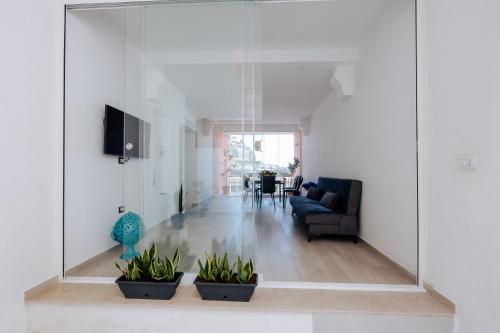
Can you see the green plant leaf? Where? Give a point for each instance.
(149, 267)
(152, 251)
(218, 269)
(176, 258)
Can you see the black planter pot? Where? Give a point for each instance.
(147, 289)
(211, 291)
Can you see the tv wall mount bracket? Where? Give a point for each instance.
(123, 159)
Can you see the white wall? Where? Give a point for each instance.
(198, 166)
(31, 145)
(371, 136)
(112, 319)
(464, 78)
(463, 113)
(96, 185)
(205, 154)
(120, 75)
(168, 105)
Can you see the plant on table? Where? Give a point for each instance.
(268, 173)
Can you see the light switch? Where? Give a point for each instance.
(468, 163)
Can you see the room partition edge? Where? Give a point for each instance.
(420, 116)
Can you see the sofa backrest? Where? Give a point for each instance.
(349, 193)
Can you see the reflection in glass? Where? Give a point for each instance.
(173, 111)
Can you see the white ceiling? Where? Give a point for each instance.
(318, 24)
(212, 91)
(220, 26)
(198, 46)
(193, 27)
(292, 91)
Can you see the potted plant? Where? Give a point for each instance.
(227, 169)
(225, 175)
(217, 280)
(292, 167)
(149, 277)
(268, 173)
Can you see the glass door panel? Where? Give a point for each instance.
(94, 128)
(172, 111)
(194, 91)
(136, 141)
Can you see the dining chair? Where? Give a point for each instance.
(247, 189)
(268, 186)
(295, 189)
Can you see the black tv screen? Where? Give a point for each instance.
(125, 135)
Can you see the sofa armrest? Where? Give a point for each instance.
(354, 201)
(349, 225)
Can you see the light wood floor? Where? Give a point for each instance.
(273, 237)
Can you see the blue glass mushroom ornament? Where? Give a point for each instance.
(128, 230)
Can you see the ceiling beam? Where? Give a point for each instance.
(334, 55)
(343, 80)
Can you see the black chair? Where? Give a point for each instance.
(295, 189)
(268, 186)
(246, 189)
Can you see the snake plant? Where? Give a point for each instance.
(219, 270)
(215, 269)
(164, 270)
(244, 271)
(149, 267)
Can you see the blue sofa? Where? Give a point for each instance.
(342, 220)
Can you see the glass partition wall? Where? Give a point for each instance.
(145, 86)
(174, 111)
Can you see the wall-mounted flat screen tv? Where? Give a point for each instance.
(125, 135)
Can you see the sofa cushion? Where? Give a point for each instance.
(311, 208)
(329, 199)
(297, 201)
(324, 219)
(314, 193)
(340, 186)
(309, 185)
